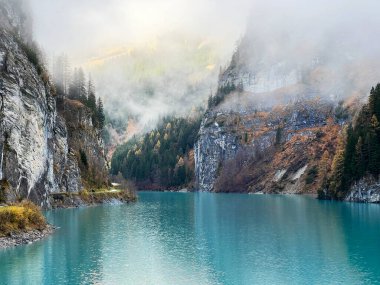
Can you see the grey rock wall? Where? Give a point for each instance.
(365, 191)
(38, 145)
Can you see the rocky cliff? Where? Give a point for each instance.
(365, 190)
(279, 114)
(39, 147)
(274, 122)
(276, 147)
(85, 143)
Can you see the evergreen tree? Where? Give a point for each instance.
(61, 74)
(337, 183)
(359, 158)
(91, 103)
(374, 101)
(324, 169)
(91, 98)
(278, 136)
(73, 90)
(349, 158)
(100, 114)
(374, 147)
(377, 103)
(361, 154)
(77, 89)
(82, 92)
(210, 101)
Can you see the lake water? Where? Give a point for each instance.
(187, 238)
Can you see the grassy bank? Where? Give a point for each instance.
(91, 197)
(21, 217)
(101, 195)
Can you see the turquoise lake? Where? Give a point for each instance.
(201, 238)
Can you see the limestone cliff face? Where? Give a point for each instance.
(365, 190)
(217, 142)
(26, 126)
(274, 103)
(85, 143)
(38, 148)
(289, 138)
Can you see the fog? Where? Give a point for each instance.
(85, 28)
(149, 58)
(331, 47)
(294, 28)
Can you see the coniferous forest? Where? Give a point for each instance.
(75, 87)
(162, 158)
(358, 154)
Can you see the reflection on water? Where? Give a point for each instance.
(183, 238)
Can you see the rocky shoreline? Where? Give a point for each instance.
(76, 200)
(31, 236)
(26, 237)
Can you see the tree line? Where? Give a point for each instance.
(222, 92)
(161, 157)
(358, 154)
(74, 86)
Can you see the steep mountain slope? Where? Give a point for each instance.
(39, 147)
(141, 83)
(275, 120)
(356, 168)
(266, 151)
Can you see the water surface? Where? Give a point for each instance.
(186, 238)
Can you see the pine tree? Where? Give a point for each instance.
(374, 147)
(377, 101)
(82, 92)
(349, 161)
(324, 169)
(359, 159)
(91, 98)
(100, 114)
(375, 126)
(61, 74)
(77, 89)
(372, 101)
(361, 155)
(210, 101)
(73, 90)
(278, 136)
(91, 103)
(336, 184)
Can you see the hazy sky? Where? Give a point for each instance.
(149, 56)
(84, 28)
